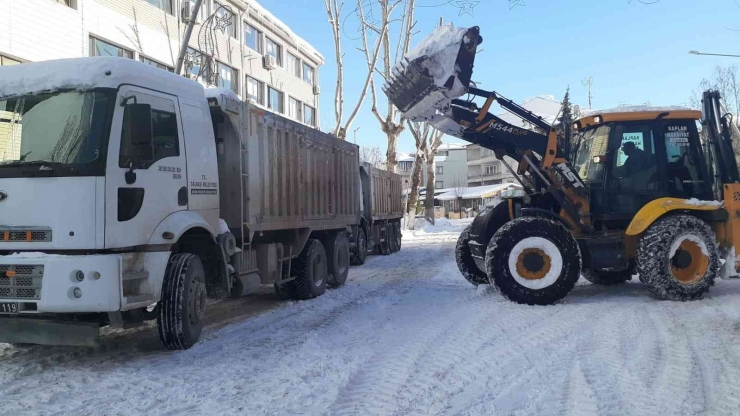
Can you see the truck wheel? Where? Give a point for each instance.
(678, 258)
(465, 262)
(337, 246)
(385, 246)
(533, 260)
(311, 270)
(607, 278)
(392, 238)
(183, 303)
(359, 254)
(399, 235)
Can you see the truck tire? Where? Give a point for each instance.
(392, 238)
(533, 260)
(606, 278)
(337, 247)
(399, 235)
(311, 270)
(183, 302)
(359, 253)
(678, 258)
(465, 262)
(385, 246)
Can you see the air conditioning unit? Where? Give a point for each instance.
(268, 62)
(316, 90)
(185, 12)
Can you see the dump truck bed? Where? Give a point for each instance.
(385, 193)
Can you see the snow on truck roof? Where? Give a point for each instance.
(87, 73)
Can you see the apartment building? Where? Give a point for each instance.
(235, 44)
(450, 162)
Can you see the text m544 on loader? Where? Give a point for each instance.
(652, 191)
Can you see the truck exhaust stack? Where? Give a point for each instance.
(434, 73)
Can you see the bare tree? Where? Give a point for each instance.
(459, 191)
(435, 140)
(421, 132)
(392, 124)
(334, 12)
(726, 80)
(372, 155)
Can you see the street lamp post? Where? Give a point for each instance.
(713, 54)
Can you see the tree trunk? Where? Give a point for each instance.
(429, 202)
(414, 192)
(390, 154)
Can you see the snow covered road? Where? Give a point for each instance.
(407, 335)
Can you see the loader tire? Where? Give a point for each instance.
(465, 262)
(337, 248)
(678, 258)
(607, 278)
(359, 254)
(385, 246)
(311, 271)
(533, 260)
(183, 302)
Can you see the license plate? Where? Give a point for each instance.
(8, 307)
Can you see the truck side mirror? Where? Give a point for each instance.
(138, 136)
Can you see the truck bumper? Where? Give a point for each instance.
(47, 283)
(45, 332)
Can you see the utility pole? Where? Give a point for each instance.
(588, 82)
(186, 37)
(355, 133)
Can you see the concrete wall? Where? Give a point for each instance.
(37, 30)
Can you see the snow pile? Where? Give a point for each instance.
(86, 73)
(698, 203)
(439, 225)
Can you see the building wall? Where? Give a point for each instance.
(485, 169)
(37, 30)
(454, 168)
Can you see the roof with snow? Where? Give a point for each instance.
(545, 106)
(88, 73)
(267, 19)
(476, 192)
(451, 146)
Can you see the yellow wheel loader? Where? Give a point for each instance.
(647, 191)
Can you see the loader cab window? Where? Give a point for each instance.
(683, 168)
(591, 144)
(635, 166)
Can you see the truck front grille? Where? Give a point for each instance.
(28, 234)
(26, 284)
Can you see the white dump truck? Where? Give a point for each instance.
(128, 193)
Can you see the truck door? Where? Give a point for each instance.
(158, 187)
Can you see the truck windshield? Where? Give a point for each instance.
(54, 134)
(592, 144)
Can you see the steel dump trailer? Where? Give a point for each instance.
(379, 225)
(289, 194)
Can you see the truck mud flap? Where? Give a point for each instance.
(47, 332)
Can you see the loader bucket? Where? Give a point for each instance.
(434, 73)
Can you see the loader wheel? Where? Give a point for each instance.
(385, 245)
(678, 258)
(533, 260)
(183, 302)
(359, 254)
(606, 278)
(311, 270)
(337, 247)
(465, 262)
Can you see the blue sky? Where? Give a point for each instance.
(635, 52)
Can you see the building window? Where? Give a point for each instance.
(405, 166)
(5, 61)
(201, 17)
(308, 74)
(148, 61)
(101, 48)
(164, 5)
(256, 90)
(275, 50)
(294, 65)
(489, 170)
(309, 115)
(252, 37)
(274, 100)
(192, 65)
(225, 13)
(68, 3)
(438, 185)
(295, 109)
(440, 170)
(228, 77)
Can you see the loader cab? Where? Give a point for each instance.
(629, 158)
